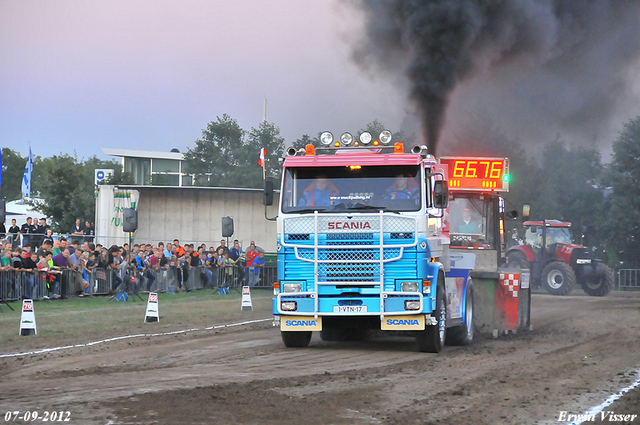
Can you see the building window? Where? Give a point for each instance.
(165, 180)
(139, 168)
(166, 166)
(187, 180)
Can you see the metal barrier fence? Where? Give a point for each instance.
(173, 279)
(18, 285)
(628, 279)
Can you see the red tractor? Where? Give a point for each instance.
(556, 263)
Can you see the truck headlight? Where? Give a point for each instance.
(288, 306)
(291, 287)
(409, 286)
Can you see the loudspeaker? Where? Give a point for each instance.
(227, 227)
(3, 211)
(130, 220)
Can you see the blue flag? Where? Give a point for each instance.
(26, 179)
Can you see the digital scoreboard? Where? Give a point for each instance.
(478, 174)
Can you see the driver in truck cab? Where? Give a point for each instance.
(321, 192)
(403, 187)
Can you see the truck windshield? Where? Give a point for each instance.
(352, 188)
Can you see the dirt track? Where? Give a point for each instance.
(582, 349)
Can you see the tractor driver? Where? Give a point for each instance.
(533, 239)
(468, 224)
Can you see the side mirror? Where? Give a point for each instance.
(440, 194)
(268, 193)
(526, 210)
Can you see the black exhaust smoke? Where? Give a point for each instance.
(438, 44)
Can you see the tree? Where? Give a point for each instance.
(224, 158)
(266, 136)
(304, 141)
(12, 172)
(623, 218)
(215, 156)
(66, 185)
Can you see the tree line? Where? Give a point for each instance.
(559, 180)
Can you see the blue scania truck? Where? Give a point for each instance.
(363, 245)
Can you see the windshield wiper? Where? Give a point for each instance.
(307, 210)
(360, 206)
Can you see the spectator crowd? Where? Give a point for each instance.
(72, 265)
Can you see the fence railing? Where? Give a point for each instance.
(17, 285)
(628, 279)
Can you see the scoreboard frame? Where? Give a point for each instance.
(479, 174)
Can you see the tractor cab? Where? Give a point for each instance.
(549, 239)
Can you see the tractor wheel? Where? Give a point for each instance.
(463, 334)
(558, 278)
(601, 285)
(296, 339)
(431, 340)
(518, 258)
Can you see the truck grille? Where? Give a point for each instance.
(349, 247)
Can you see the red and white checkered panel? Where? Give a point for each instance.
(511, 284)
(153, 297)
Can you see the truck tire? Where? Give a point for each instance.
(558, 278)
(518, 258)
(599, 286)
(293, 339)
(431, 340)
(463, 334)
(329, 334)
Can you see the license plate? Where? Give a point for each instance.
(349, 308)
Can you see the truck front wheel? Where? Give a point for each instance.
(558, 278)
(296, 339)
(431, 340)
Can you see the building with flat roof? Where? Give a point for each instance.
(169, 205)
(152, 168)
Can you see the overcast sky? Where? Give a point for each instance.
(150, 75)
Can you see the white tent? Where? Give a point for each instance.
(20, 211)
